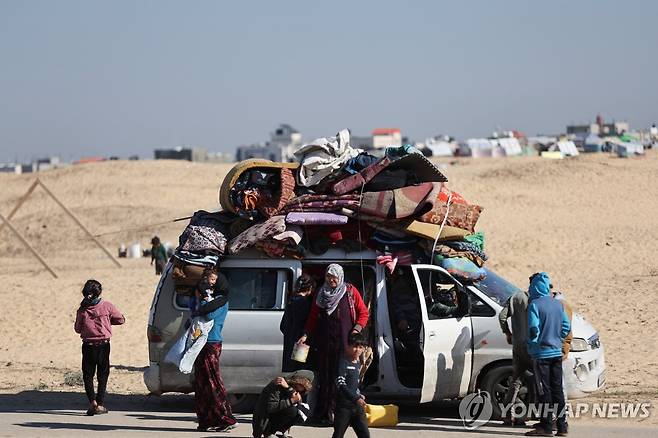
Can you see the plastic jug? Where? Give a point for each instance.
(300, 352)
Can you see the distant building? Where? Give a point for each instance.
(384, 137)
(282, 144)
(181, 153)
(361, 142)
(599, 128)
(11, 168)
(265, 151)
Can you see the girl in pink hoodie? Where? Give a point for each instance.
(94, 321)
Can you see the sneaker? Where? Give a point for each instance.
(90, 412)
(538, 426)
(220, 428)
(101, 410)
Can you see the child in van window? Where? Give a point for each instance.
(94, 321)
(205, 289)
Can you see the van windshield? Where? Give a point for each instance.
(496, 287)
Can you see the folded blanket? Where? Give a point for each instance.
(198, 259)
(321, 203)
(315, 218)
(399, 203)
(198, 238)
(463, 269)
(249, 237)
(460, 215)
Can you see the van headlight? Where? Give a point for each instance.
(579, 344)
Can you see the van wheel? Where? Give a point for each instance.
(497, 381)
(243, 403)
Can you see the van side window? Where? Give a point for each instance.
(440, 294)
(251, 288)
(480, 308)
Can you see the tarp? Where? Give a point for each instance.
(511, 145)
(479, 147)
(439, 148)
(567, 148)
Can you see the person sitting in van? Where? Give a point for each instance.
(445, 303)
(279, 404)
(405, 308)
(337, 311)
(294, 318)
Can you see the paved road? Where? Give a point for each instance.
(61, 414)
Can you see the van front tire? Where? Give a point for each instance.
(497, 381)
(243, 403)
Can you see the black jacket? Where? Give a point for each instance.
(272, 399)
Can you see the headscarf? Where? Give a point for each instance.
(328, 297)
(90, 300)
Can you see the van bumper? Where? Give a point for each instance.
(584, 372)
(152, 378)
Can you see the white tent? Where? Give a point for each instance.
(511, 146)
(439, 148)
(480, 147)
(567, 147)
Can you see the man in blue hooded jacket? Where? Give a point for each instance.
(548, 325)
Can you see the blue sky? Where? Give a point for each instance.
(81, 78)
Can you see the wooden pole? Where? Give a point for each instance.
(100, 245)
(25, 242)
(20, 203)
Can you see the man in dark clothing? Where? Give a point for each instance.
(350, 403)
(278, 404)
(158, 255)
(548, 326)
(517, 309)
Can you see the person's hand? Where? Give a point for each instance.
(296, 398)
(302, 340)
(361, 402)
(509, 338)
(403, 325)
(280, 381)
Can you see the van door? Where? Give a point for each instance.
(447, 334)
(253, 345)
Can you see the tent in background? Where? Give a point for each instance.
(593, 143)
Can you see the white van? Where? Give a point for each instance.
(461, 353)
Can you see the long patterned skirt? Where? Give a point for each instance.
(211, 405)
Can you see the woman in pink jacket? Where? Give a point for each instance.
(94, 321)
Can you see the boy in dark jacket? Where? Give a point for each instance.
(279, 404)
(350, 403)
(548, 326)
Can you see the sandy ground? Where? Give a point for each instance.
(590, 222)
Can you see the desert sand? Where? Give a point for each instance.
(589, 221)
